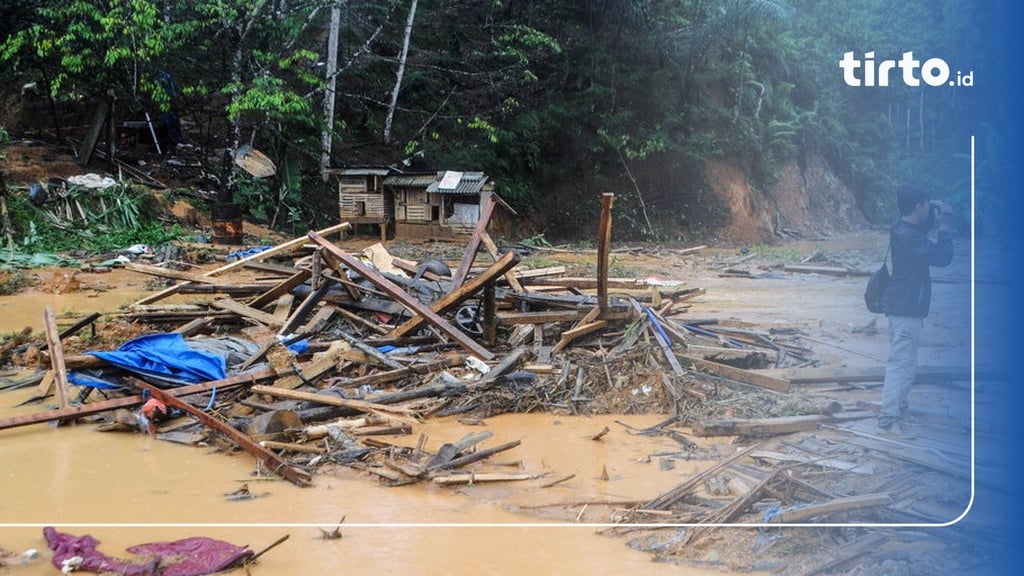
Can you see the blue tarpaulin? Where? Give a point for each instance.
(166, 356)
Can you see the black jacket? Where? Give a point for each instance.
(913, 253)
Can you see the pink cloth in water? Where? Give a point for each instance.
(188, 557)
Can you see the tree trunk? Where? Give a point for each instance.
(401, 72)
(332, 82)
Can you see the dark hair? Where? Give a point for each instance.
(908, 197)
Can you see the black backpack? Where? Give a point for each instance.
(874, 293)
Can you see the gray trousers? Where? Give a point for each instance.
(901, 368)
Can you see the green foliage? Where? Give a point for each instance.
(556, 101)
(87, 221)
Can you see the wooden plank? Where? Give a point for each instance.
(461, 293)
(469, 256)
(667, 499)
(847, 504)
(604, 239)
(56, 348)
(539, 272)
(272, 461)
(874, 373)
(807, 459)
(129, 401)
(492, 249)
(281, 289)
(247, 312)
(279, 249)
(403, 297)
(169, 273)
(313, 371)
(75, 328)
(450, 450)
(283, 307)
(543, 317)
(474, 477)
(737, 374)
(396, 413)
(758, 426)
(582, 330)
(291, 324)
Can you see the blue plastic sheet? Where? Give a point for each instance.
(166, 356)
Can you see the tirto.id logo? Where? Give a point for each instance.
(933, 71)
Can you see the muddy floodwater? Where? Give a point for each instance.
(84, 481)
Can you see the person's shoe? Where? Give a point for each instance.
(895, 431)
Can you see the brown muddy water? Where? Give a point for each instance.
(84, 481)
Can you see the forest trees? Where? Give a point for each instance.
(556, 100)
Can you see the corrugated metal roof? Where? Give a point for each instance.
(410, 180)
(469, 183)
(361, 171)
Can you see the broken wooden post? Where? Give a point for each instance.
(604, 239)
(469, 256)
(53, 343)
(403, 297)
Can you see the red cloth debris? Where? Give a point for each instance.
(188, 557)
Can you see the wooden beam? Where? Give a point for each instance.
(403, 297)
(473, 478)
(848, 504)
(582, 330)
(272, 461)
(169, 273)
(393, 412)
(492, 249)
(737, 374)
(280, 289)
(758, 426)
(604, 240)
(247, 312)
(876, 373)
(469, 256)
(461, 293)
(129, 401)
(279, 249)
(586, 325)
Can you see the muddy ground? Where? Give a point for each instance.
(925, 481)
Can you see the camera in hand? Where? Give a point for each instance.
(940, 209)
